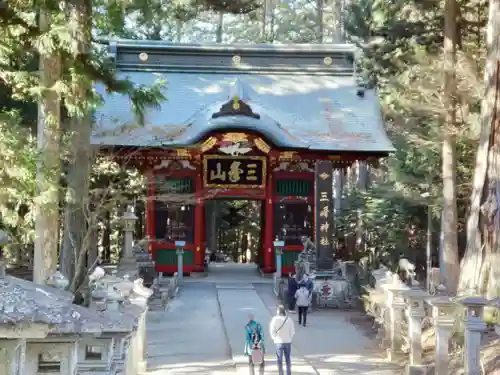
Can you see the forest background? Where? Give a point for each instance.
(427, 59)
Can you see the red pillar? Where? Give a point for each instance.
(150, 206)
(268, 266)
(199, 226)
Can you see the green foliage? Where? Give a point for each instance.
(402, 41)
(17, 178)
(236, 220)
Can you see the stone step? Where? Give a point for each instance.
(234, 286)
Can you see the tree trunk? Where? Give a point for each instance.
(220, 30)
(472, 262)
(362, 186)
(106, 237)
(319, 22)
(48, 166)
(450, 244)
(178, 30)
(76, 238)
(93, 248)
(338, 24)
(263, 29)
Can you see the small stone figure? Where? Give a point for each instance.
(406, 271)
(309, 247)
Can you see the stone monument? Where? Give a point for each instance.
(332, 287)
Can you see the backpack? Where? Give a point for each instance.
(257, 353)
(256, 335)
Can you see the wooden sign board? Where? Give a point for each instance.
(324, 213)
(220, 171)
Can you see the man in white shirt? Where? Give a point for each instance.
(282, 330)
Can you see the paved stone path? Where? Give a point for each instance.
(202, 332)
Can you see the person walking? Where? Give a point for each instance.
(292, 288)
(282, 330)
(254, 345)
(302, 297)
(309, 284)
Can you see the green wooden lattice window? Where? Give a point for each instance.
(169, 257)
(289, 257)
(289, 187)
(167, 185)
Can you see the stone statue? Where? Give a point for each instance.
(309, 247)
(406, 271)
(306, 262)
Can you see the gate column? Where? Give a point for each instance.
(199, 225)
(150, 208)
(267, 266)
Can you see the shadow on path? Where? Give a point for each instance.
(189, 337)
(333, 345)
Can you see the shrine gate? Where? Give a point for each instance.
(261, 122)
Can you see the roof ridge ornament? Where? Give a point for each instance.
(236, 107)
(239, 89)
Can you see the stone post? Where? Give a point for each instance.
(443, 315)
(474, 327)
(416, 313)
(396, 305)
(180, 258)
(136, 361)
(278, 251)
(128, 227)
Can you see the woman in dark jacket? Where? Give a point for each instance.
(292, 288)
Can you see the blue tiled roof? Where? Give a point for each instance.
(306, 111)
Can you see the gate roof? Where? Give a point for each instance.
(297, 96)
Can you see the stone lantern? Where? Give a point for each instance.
(395, 305)
(100, 355)
(145, 267)
(129, 220)
(416, 313)
(43, 327)
(97, 354)
(443, 316)
(474, 327)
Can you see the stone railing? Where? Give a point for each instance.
(402, 313)
(164, 294)
(173, 286)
